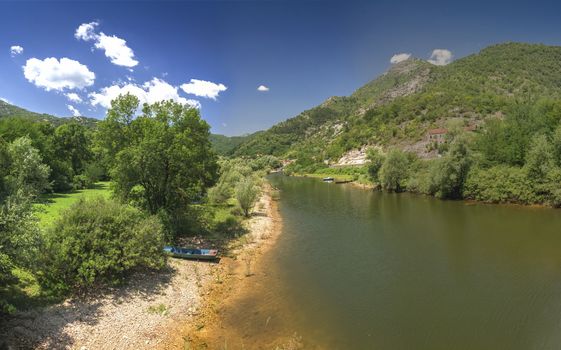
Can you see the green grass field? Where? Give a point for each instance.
(53, 204)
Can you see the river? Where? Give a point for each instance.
(357, 269)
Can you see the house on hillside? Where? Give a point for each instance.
(437, 135)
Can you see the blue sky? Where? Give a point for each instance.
(302, 51)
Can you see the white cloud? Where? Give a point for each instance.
(5, 100)
(86, 31)
(52, 74)
(75, 112)
(400, 57)
(16, 50)
(203, 88)
(74, 97)
(152, 91)
(441, 57)
(262, 88)
(115, 48)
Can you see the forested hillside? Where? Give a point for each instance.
(414, 96)
(225, 145)
(9, 111)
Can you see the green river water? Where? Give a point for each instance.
(356, 269)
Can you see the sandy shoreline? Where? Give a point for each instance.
(165, 309)
(209, 330)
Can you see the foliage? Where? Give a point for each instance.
(394, 171)
(164, 154)
(98, 242)
(448, 174)
(22, 176)
(247, 193)
(500, 184)
(376, 159)
(26, 171)
(225, 145)
(539, 159)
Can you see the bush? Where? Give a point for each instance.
(376, 160)
(247, 193)
(97, 242)
(80, 182)
(500, 184)
(394, 171)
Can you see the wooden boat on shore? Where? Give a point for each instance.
(339, 182)
(191, 253)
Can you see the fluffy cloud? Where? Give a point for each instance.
(5, 100)
(400, 57)
(115, 48)
(441, 57)
(152, 91)
(262, 88)
(52, 74)
(74, 97)
(86, 31)
(203, 88)
(16, 50)
(74, 111)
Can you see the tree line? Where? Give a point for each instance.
(161, 165)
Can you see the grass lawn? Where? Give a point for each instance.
(53, 204)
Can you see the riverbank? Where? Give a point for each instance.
(222, 321)
(150, 310)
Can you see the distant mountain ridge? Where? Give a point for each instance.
(8, 110)
(223, 145)
(413, 96)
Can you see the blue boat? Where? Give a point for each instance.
(191, 253)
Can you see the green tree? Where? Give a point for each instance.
(22, 176)
(72, 143)
(539, 159)
(556, 140)
(114, 132)
(376, 159)
(448, 174)
(98, 242)
(394, 171)
(247, 193)
(164, 154)
(27, 172)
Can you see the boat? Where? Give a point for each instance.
(328, 179)
(191, 253)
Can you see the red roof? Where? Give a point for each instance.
(438, 131)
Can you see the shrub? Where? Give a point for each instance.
(247, 193)
(80, 182)
(376, 160)
(500, 184)
(394, 171)
(448, 174)
(97, 242)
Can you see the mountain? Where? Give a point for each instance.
(225, 145)
(412, 97)
(8, 110)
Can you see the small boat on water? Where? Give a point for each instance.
(328, 179)
(191, 253)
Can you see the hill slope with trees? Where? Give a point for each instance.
(399, 107)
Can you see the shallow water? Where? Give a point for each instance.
(356, 269)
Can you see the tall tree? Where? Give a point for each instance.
(165, 154)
